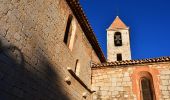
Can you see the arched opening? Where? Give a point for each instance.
(117, 39)
(152, 75)
(146, 89)
(146, 86)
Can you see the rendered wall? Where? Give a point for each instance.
(122, 83)
(34, 58)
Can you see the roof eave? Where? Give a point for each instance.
(132, 62)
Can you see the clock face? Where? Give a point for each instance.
(117, 39)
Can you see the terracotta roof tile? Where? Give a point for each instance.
(131, 62)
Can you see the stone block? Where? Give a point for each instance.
(107, 84)
(168, 87)
(104, 88)
(124, 83)
(165, 82)
(163, 87)
(126, 79)
(114, 93)
(119, 75)
(104, 93)
(104, 76)
(119, 88)
(129, 83)
(165, 97)
(112, 88)
(114, 79)
(118, 84)
(164, 77)
(113, 83)
(165, 93)
(126, 74)
(119, 79)
(165, 72)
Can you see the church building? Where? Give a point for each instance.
(48, 51)
(122, 78)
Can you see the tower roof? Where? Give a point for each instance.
(117, 23)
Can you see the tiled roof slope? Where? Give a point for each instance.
(117, 24)
(131, 62)
(82, 19)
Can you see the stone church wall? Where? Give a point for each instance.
(34, 59)
(123, 82)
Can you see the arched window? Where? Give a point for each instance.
(117, 39)
(147, 87)
(147, 93)
(144, 79)
(68, 30)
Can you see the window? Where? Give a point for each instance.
(119, 57)
(77, 67)
(146, 86)
(118, 39)
(146, 83)
(73, 34)
(68, 30)
(146, 89)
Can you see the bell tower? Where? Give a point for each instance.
(118, 41)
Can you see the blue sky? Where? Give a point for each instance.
(149, 22)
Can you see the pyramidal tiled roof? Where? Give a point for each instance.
(131, 62)
(117, 23)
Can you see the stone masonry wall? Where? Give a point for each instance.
(112, 84)
(33, 56)
(122, 83)
(164, 81)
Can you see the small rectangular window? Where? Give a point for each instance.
(119, 57)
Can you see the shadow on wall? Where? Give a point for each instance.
(19, 80)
